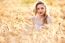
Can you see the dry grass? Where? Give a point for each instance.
(15, 27)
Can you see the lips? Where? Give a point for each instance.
(40, 12)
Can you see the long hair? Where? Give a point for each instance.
(44, 15)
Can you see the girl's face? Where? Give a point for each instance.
(40, 9)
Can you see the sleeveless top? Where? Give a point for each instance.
(37, 22)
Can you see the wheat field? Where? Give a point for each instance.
(15, 27)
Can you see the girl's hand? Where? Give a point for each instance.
(45, 26)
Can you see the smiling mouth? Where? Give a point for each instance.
(40, 12)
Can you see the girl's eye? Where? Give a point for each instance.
(42, 8)
(38, 8)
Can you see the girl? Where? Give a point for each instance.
(40, 18)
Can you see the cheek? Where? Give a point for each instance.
(38, 11)
(44, 11)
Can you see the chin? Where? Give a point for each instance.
(41, 14)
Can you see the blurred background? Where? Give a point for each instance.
(16, 27)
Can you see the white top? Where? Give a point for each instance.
(37, 22)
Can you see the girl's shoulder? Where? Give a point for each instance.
(49, 19)
(33, 17)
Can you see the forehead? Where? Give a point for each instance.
(40, 5)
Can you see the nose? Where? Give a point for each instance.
(40, 10)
